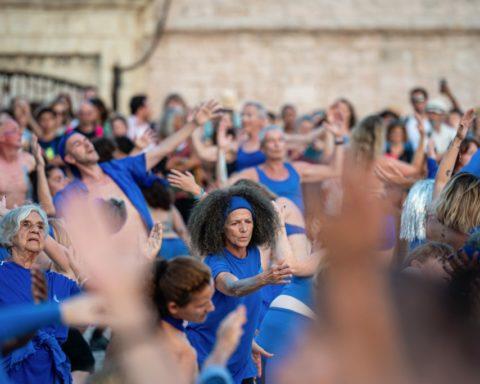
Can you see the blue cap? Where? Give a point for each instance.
(62, 145)
(238, 202)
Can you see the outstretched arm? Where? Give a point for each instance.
(200, 115)
(447, 164)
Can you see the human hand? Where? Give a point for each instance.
(223, 140)
(420, 125)
(229, 333)
(184, 181)
(204, 112)
(257, 353)
(277, 274)
(154, 242)
(37, 152)
(85, 309)
(465, 123)
(39, 285)
(145, 139)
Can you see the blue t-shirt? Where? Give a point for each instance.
(202, 336)
(41, 360)
(128, 173)
(248, 159)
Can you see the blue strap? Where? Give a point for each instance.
(294, 229)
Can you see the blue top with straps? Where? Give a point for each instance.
(294, 230)
(301, 288)
(290, 188)
(248, 159)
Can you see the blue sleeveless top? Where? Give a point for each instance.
(248, 159)
(301, 288)
(290, 188)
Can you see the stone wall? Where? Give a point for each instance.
(305, 51)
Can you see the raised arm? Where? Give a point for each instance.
(198, 117)
(447, 164)
(43, 192)
(445, 89)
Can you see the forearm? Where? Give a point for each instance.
(243, 287)
(297, 138)
(167, 146)
(447, 164)
(43, 192)
(57, 253)
(419, 156)
(221, 168)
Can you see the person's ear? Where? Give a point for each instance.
(173, 308)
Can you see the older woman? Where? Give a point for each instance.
(23, 231)
(229, 226)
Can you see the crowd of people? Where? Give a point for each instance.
(227, 243)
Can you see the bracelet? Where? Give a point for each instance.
(200, 195)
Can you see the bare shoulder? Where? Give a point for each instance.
(28, 160)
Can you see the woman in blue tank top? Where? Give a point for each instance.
(228, 226)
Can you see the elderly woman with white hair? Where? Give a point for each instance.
(23, 232)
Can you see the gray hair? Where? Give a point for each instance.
(267, 129)
(262, 112)
(10, 224)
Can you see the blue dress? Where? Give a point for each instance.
(42, 359)
(202, 336)
(291, 187)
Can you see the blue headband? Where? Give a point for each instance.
(62, 145)
(473, 166)
(237, 202)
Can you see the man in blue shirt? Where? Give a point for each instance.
(120, 179)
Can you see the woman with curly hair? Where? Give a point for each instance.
(229, 226)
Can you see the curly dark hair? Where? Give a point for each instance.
(207, 219)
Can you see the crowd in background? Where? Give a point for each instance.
(224, 242)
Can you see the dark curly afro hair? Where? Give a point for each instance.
(207, 221)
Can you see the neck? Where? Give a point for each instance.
(240, 252)
(49, 135)
(140, 119)
(9, 154)
(25, 258)
(274, 165)
(90, 172)
(87, 127)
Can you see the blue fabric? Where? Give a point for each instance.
(301, 288)
(128, 173)
(290, 188)
(62, 144)
(42, 359)
(248, 159)
(214, 374)
(237, 202)
(175, 323)
(202, 336)
(473, 166)
(432, 168)
(173, 247)
(51, 147)
(294, 229)
(4, 254)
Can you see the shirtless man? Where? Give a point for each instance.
(15, 164)
(120, 179)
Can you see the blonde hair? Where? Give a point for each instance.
(60, 233)
(368, 140)
(458, 206)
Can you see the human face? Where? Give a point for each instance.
(119, 128)
(251, 121)
(289, 116)
(396, 135)
(467, 156)
(436, 118)
(198, 308)
(87, 114)
(60, 113)
(10, 133)
(274, 145)
(31, 234)
(239, 228)
(305, 127)
(419, 102)
(56, 181)
(80, 150)
(47, 122)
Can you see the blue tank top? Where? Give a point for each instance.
(294, 230)
(301, 288)
(248, 159)
(290, 188)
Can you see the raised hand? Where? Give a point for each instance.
(184, 181)
(39, 285)
(278, 274)
(145, 139)
(205, 112)
(420, 125)
(37, 152)
(154, 242)
(465, 123)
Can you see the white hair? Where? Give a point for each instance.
(267, 129)
(10, 224)
(262, 112)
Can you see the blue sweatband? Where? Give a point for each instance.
(237, 202)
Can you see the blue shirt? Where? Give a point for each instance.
(291, 187)
(41, 360)
(127, 173)
(4, 254)
(202, 336)
(248, 159)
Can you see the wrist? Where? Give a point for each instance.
(219, 356)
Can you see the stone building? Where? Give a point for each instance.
(305, 51)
